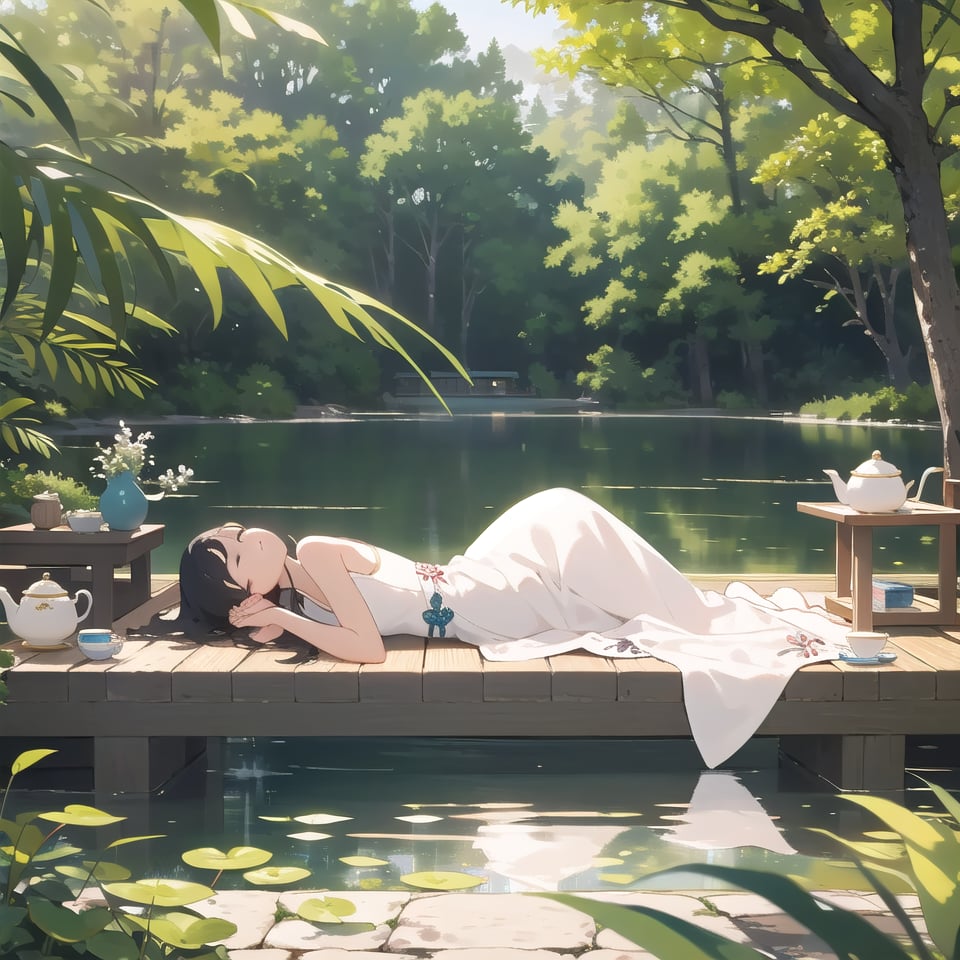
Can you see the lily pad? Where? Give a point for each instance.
(276, 819)
(320, 819)
(236, 858)
(163, 893)
(326, 909)
(442, 880)
(606, 861)
(309, 835)
(363, 862)
(419, 818)
(125, 840)
(266, 876)
(80, 815)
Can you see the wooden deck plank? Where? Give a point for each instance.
(507, 680)
(452, 672)
(40, 675)
(648, 679)
(939, 652)
(146, 675)
(265, 674)
(583, 676)
(399, 679)
(815, 682)
(206, 675)
(87, 681)
(327, 679)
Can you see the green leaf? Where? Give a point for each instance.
(113, 945)
(659, 933)
(163, 893)
(185, 930)
(205, 13)
(325, 909)
(268, 876)
(237, 858)
(363, 862)
(845, 932)
(29, 757)
(63, 924)
(80, 815)
(442, 880)
(100, 870)
(43, 86)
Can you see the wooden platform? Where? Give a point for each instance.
(849, 722)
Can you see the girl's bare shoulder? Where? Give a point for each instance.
(357, 556)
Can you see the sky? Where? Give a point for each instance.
(481, 20)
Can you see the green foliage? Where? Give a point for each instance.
(617, 379)
(74, 495)
(917, 403)
(923, 849)
(51, 890)
(262, 392)
(201, 388)
(733, 400)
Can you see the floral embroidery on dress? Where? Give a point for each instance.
(438, 616)
(626, 646)
(802, 646)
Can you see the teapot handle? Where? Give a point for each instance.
(86, 612)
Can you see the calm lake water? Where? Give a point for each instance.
(715, 495)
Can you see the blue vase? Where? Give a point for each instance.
(123, 505)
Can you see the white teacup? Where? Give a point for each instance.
(866, 643)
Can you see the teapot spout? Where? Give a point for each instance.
(839, 487)
(923, 480)
(10, 607)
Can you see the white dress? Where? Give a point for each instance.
(558, 572)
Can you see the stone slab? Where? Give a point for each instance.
(677, 905)
(302, 936)
(251, 910)
(374, 906)
(489, 921)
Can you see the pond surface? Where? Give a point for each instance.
(715, 495)
(500, 815)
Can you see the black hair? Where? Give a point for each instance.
(207, 592)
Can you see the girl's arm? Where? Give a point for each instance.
(322, 572)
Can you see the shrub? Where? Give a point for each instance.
(263, 393)
(884, 403)
(74, 495)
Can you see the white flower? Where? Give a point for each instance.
(125, 453)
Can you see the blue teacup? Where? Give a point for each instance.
(98, 643)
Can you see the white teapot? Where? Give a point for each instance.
(876, 486)
(46, 615)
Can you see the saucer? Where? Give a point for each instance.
(886, 657)
(43, 647)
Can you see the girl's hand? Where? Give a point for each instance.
(256, 612)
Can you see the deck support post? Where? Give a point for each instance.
(852, 761)
(140, 764)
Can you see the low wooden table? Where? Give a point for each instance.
(102, 552)
(854, 588)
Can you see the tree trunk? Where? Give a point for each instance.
(700, 369)
(917, 174)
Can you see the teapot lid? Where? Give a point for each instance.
(45, 588)
(875, 467)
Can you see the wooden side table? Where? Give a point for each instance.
(102, 552)
(854, 565)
